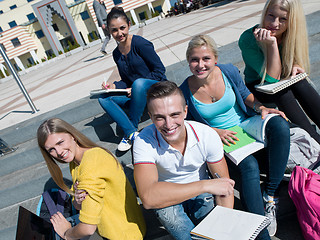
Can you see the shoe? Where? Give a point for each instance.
(126, 143)
(270, 211)
(103, 52)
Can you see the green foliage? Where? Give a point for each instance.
(1, 74)
(70, 45)
(43, 60)
(7, 73)
(89, 38)
(145, 15)
(132, 21)
(155, 14)
(60, 52)
(94, 35)
(66, 49)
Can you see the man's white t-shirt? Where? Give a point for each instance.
(203, 146)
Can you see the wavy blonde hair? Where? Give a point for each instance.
(56, 125)
(295, 47)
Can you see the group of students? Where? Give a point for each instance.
(175, 158)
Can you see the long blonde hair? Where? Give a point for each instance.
(295, 47)
(56, 125)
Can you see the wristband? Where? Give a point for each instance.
(256, 110)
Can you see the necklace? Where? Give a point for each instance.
(213, 99)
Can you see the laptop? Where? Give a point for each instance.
(32, 227)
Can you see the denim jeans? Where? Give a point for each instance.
(277, 152)
(180, 219)
(136, 103)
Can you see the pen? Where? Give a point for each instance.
(217, 175)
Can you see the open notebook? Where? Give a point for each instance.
(272, 88)
(229, 224)
(102, 91)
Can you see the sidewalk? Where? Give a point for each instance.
(71, 78)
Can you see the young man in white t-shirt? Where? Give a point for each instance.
(171, 158)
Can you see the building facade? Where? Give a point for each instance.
(33, 31)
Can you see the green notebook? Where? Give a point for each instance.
(244, 139)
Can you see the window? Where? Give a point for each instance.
(13, 7)
(1, 29)
(158, 8)
(31, 16)
(49, 53)
(3, 47)
(116, 2)
(15, 42)
(1, 11)
(16, 67)
(39, 34)
(55, 27)
(12, 24)
(142, 16)
(84, 15)
(31, 61)
(29, 0)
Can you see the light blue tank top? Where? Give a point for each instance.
(225, 112)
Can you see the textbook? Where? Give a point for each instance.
(101, 91)
(228, 224)
(251, 134)
(272, 88)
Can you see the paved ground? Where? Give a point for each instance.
(69, 80)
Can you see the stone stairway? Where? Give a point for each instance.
(24, 175)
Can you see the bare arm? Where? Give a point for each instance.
(64, 229)
(155, 194)
(273, 56)
(221, 168)
(253, 103)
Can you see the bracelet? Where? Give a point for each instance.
(254, 108)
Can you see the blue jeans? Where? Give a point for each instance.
(136, 103)
(180, 219)
(277, 152)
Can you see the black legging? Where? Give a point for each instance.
(290, 101)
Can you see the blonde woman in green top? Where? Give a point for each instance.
(277, 48)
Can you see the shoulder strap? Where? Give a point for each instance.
(52, 207)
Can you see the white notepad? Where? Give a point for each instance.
(272, 88)
(101, 91)
(230, 224)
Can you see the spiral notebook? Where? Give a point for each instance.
(228, 224)
(272, 88)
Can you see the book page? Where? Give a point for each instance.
(255, 126)
(244, 139)
(229, 224)
(101, 91)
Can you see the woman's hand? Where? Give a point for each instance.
(79, 196)
(264, 35)
(227, 136)
(129, 92)
(106, 85)
(60, 224)
(296, 69)
(265, 111)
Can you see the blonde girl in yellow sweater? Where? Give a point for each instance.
(101, 191)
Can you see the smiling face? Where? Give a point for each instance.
(276, 20)
(201, 61)
(119, 29)
(62, 146)
(168, 114)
